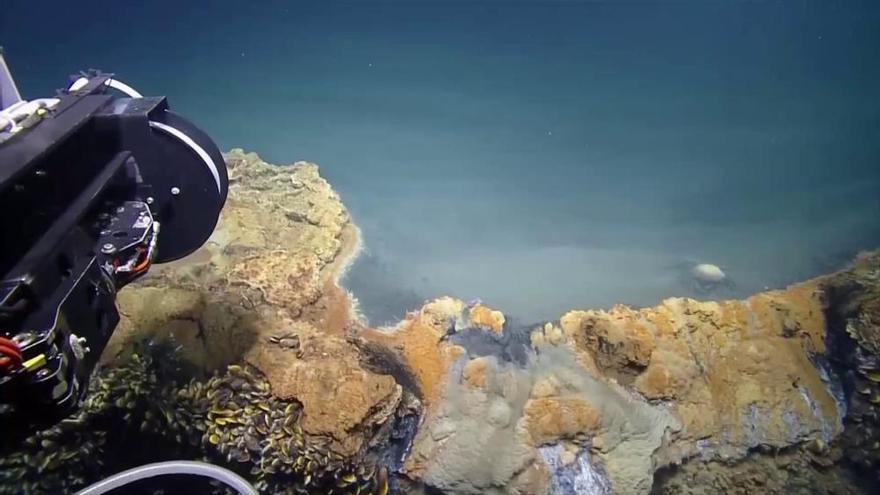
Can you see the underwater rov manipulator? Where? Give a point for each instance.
(86, 180)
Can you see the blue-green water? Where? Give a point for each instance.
(537, 155)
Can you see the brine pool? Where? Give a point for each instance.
(539, 156)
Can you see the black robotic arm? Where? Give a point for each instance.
(95, 186)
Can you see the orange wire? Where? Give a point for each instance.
(142, 265)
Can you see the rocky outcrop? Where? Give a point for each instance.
(263, 291)
(738, 374)
(249, 354)
(622, 400)
(775, 393)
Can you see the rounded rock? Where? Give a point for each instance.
(708, 273)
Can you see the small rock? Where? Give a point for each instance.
(708, 273)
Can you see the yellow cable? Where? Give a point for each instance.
(35, 362)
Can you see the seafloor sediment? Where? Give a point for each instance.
(248, 354)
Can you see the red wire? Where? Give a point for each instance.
(9, 342)
(9, 351)
(10, 354)
(13, 360)
(7, 362)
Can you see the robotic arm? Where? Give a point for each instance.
(86, 181)
(95, 186)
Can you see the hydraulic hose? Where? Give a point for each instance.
(220, 474)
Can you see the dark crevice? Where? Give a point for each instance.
(843, 304)
(513, 345)
(380, 360)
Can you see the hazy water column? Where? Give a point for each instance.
(538, 155)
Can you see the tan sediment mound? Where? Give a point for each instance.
(486, 418)
(262, 290)
(550, 419)
(475, 373)
(419, 343)
(737, 373)
(486, 317)
(324, 374)
(486, 434)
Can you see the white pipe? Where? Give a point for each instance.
(113, 83)
(125, 88)
(15, 107)
(218, 473)
(9, 123)
(78, 84)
